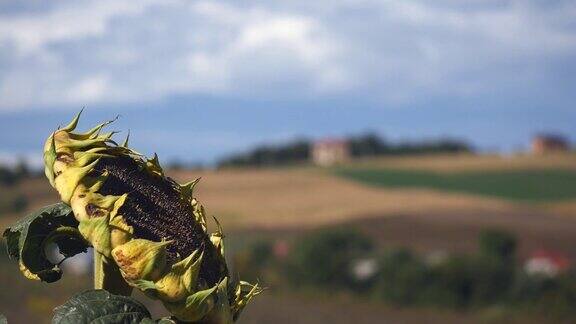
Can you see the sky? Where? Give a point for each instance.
(197, 80)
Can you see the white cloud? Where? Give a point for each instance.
(76, 20)
(88, 89)
(262, 45)
(116, 51)
(211, 73)
(127, 53)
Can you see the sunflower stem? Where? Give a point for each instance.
(98, 271)
(107, 276)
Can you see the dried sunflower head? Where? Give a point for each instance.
(143, 225)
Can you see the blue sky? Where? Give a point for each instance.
(196, 80)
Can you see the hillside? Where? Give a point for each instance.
(276, 198)
(284, 203)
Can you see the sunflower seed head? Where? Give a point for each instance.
(141, 223)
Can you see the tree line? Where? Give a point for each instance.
(364, 145)
(492, 276)
(12, 200)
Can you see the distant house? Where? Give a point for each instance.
(548, 143)
(548, 263)
(329, 152)
(436, 257)
(364, 269)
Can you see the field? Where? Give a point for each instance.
(454, 163)
(524, 185)
(522, 178)
(425, 203)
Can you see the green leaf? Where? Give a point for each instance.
(100, 306)
(3, 319)
(28, 238)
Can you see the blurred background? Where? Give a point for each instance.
(397, 161)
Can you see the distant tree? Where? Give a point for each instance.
(480, 279)
(554, 297)
(10, 203)
(402, 278)
(325, 258)
(452, 283)
(7, 176)
(261, 253)
(11, 175)
(19, 203)
(367, 145)
(492, 280)
(497, 244)
(254, 260)
(297, 151)
(21, 170)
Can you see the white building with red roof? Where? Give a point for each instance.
(546, 262)
(328, 152)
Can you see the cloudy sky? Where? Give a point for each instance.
(195, 80)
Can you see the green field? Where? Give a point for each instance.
(524, 185)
